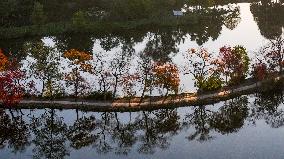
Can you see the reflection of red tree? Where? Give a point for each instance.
(11, 91)
(166, 75)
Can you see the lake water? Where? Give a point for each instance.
(244, 127)
(224, 25)
(126, 38)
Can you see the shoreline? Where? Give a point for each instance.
(138, 104)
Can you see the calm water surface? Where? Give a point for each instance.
(243, 127)
(166, 44)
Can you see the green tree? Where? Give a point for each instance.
(79, 19)
(46, 66)
(38, 17)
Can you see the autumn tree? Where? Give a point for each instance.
(233, 63)
(166, 76)
(128, 84)
(79, 61)
(119, 67)
(4, 62)
(105, 76)
(145, 72)
(259, 71)
(202, 67)
(11, 89)
(270, 60)
(274, 54)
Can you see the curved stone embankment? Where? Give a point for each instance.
(136, 104)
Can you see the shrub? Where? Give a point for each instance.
(213, 83)
(98, 95)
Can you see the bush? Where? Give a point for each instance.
(213, 83)
(272, 86)
(97, 95)
(259, 71)
(233, 63)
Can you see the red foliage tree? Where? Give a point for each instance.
(274, 55)
(201, 65)
(11, 91)
(259, 71)
(233, 63)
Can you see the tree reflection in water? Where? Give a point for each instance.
(14, 131)
(231, 117)
(145, 132)
(81, 133)
(157, 128)
(199, 119)
(263, 11)
(124, 136)
(269, 107)
(49, 135)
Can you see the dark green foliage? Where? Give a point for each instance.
(213, 83)
(38, 17)
(272, 85)
(239, 75)
(79, 19)
(99, 96)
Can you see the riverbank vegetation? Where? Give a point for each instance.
(228, 70)
(71, 69)
(97, 16)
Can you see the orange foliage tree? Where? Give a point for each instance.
(128, 83)
(3, 61)
(80, 61)
(80, 58)
(166, 75)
